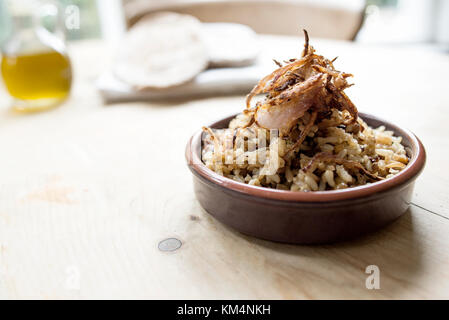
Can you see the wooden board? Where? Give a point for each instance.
(88, 191)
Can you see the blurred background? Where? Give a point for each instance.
(373, 21)
(419, 24)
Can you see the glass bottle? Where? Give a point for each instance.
(35, 66)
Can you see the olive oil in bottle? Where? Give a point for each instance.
(35, 68)
(39, 79)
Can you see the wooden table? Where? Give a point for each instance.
(88, 191)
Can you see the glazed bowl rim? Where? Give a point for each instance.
(406, 176)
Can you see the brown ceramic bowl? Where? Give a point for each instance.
(306, 217)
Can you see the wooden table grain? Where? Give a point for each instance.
(88, 191)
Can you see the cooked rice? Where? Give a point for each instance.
(258, 157)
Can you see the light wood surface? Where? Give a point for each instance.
(88, 191)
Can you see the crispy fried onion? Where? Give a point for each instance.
(310, 82)
(284, 110)
(303, 135)
(328, 157)
(211, 133)
(277, 77)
